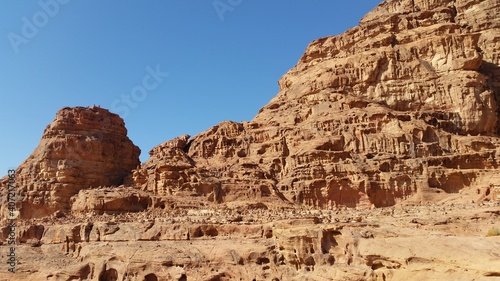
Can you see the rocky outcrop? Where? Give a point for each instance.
(84, 147)
(403, 108)
(286, 244)
(110, 200)
(398, 108)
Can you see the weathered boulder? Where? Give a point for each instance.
(110, 200)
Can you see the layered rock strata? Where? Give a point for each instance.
(400, 109)
(83, 148)
(289, 244)
(402, 106)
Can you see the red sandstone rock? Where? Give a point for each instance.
(400, 109)
(82, 148)
(403, 104)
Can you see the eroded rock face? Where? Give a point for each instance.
(110, 200)
(279, 244)
(82, 148)
(401, 106)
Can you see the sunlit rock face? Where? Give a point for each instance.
(402, 105)
(400, 109)
(84, 147)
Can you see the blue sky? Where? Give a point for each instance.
(223, 59)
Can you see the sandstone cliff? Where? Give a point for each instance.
(82, 148)
(402, 106)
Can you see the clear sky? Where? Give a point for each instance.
(168, 67)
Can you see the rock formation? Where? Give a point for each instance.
(110, 200)
(402, 106)
(84, 147)
(290, 244)
(401, 112)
